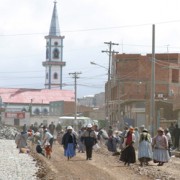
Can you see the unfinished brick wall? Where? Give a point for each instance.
(133, 75)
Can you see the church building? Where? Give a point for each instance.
(54, 54)
(19, 106)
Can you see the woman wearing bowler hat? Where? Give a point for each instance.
(128, 153)
(69, 143)
(145, 148)
(160, 148)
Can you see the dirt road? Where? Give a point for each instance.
(103, 166)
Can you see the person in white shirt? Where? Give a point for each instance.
(48, 137)
(168, 135)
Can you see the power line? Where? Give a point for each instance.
(19, 72)
(95, 29)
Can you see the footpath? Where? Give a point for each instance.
(15, 165)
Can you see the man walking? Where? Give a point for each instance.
(51, 128)
(89, 138)
(48, 137)
(176, 135)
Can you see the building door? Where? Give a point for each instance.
(16, 122)
(141, 119)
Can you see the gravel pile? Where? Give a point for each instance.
(7, 132)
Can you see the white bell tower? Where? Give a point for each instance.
(54, 54)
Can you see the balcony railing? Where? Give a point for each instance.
(54, 63)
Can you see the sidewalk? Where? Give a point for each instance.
(15, 165)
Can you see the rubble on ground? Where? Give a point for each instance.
(152, 171)
(8, 132)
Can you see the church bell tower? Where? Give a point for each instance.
(54, 54)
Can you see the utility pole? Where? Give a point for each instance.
(110, 52)
(75, 76)
(152, 106)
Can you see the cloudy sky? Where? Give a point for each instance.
(86, 25)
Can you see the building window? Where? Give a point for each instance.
(37, 111)
(46, 75)
(44, 111)
(24, 109)
(175, 75)
(55, 76)
(56, 54)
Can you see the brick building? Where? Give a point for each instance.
(128, 92)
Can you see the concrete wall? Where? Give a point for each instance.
(30, 120)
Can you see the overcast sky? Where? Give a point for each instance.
(86, 25)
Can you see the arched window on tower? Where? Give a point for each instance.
(56, 54)
(46, 75)
(55, 43)
(55, 76)
(47, 53)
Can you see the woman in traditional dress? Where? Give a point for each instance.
(128, 153)
(137, 135)
(160, 148)
(145, 148)
(81, 147)
(69, 143)
(168, 135)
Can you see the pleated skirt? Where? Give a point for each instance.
(128, 155)
(160, 155)
(145, 150)
(70, 151)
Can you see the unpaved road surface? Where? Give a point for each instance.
(103, 166)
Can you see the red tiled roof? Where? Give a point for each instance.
(37, 96)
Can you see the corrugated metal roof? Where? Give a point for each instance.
(37, 96)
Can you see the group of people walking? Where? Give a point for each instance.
(130, 140)
(156, 148)
(148, 148)
(88, 138)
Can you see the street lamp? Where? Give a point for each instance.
(108, 81)
(93, 63)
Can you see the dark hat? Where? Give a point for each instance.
(145, 130)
